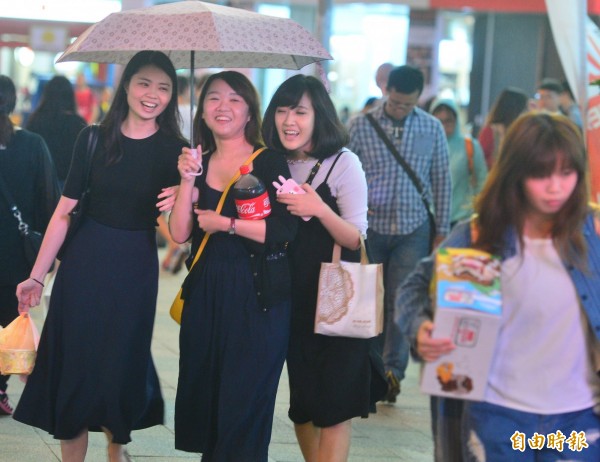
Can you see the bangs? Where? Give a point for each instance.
(546, 162)
(290, 95)
(552, 151)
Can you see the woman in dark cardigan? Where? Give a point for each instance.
(28, 172)
(236, 316)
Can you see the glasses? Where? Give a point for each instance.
(400, 104)
(544, 96)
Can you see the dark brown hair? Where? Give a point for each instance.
(533, 147)
(243, 87)
(329, 134)
(509, 105)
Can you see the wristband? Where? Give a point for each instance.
(231, 229)
(40, 283)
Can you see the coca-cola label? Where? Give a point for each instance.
(255, 208)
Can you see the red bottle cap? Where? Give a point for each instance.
(245, 169)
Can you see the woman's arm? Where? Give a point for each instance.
(414, 309)
(212, 222)
(276, 227)
(430, 348)
(181, 218)
(30, 290)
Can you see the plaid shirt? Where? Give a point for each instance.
(395, 206)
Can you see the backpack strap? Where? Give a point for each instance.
(470, 161)
(474, 228)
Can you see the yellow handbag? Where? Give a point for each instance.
(177, 305)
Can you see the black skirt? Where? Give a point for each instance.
(94, 367)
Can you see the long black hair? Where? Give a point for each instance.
(8, 100)
(329, 134)
(58, 96)
(167, 121)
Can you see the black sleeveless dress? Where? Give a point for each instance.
(332, 379)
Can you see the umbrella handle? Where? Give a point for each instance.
(195, 154)
(192, 85)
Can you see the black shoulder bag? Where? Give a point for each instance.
(411, 174)
(32, 240)
(76, 215)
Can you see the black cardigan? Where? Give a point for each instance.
(269, 261)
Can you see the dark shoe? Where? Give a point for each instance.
(393, 387)
(5, 408)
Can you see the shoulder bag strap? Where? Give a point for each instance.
(409, 171)
(411, 174)
(332, 165)
(313, 172)
(316, 168)
(222, 201)
(23, 227)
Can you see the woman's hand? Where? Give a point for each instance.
(429, 348)
(304, 205)
(211, 222)
(29, 294)
(168, 196)
(188, 165)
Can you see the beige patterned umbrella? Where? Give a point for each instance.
(220, 36)
(197, 34)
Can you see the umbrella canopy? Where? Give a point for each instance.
(219, 36)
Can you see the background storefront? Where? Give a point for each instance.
(469, 50)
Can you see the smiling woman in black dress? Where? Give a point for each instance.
(94, 369)
(332, 379)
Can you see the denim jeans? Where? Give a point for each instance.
(488, 429)
(399, 255)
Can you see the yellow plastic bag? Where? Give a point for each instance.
(18, 346)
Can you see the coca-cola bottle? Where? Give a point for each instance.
(251, 197)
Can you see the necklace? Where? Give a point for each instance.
(298, 161)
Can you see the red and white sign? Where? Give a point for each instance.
(500, 6)
(577, 40)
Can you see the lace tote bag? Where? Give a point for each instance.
(350, 297)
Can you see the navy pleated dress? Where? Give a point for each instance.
(94, 368)
(232, 347)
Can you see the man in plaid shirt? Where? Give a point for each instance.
(399, 229)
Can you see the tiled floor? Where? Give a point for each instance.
(399, 432)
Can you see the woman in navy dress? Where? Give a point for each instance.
(94, 369)
(235, 320)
